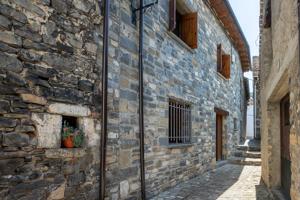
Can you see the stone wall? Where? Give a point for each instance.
(50, 67)
(256, 92)
(173, 71)
(279, 59)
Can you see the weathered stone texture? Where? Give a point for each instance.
(279, 76)
(48, 129)
(44, 74)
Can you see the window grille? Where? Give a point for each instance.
(180, 122)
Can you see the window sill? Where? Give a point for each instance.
(222, 76)
(178, 40)
(164, 142)
(65, 153)
(179, 146)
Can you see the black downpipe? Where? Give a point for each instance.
(104, 97)
(141, 101)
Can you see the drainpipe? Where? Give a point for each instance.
(104, 97)
(141, 101)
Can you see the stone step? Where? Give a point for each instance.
(248, 154)
(247, 148)
(245, 161)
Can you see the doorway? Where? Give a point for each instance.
(219, 137)
(285, 146)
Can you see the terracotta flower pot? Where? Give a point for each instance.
(68, 142)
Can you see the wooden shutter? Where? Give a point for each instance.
(189, 29)
(226, 65)
(172, 15)
(219, 58)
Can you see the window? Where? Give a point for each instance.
(69, 125)
(183, 24)
(223, 62)
(180, 122)
(235, 125)
(70, 121)
(268, 15)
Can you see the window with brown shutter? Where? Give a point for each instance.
(183, 25)
(268, 15)
(226, 65)
(223, 62)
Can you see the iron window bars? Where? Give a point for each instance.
(180, 122)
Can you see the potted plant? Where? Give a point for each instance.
(71, 137)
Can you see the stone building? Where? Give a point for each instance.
(195, 95)
(280, 96)
(256, 96)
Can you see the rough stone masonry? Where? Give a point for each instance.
(50, 67)
(279, 60)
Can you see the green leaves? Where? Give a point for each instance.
(76, 134)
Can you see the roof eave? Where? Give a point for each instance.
(235, 32)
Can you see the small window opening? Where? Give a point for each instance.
(68, 128)
(70, 121)
(176, 30)
(235, 124)
(268, 15)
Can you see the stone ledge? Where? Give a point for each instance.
(65, 153)
(181, 42)
(164, 142)
(178, 146)
(222, 76)
(69, 110)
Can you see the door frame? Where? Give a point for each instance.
(219, 137)
(220, 141)
(285, 163)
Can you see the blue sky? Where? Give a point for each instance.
(247, 13)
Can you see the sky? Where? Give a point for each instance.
(247, 13)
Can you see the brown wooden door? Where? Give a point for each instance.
(285, 146)
(219, 137)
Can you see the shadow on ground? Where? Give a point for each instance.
(230, 182)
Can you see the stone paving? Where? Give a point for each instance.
(230, 182)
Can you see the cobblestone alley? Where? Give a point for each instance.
(229, 182)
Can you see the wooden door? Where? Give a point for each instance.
(285, 146)
(219, 137)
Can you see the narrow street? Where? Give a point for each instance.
(229, 182)
(149, 99)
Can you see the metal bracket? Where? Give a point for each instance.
(135, 10)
